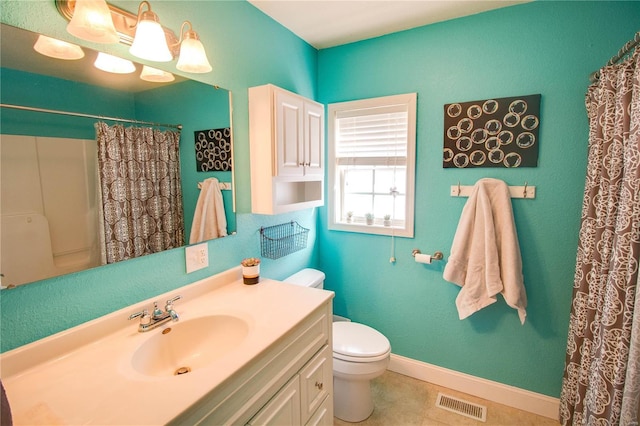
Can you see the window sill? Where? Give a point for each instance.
(374, 229)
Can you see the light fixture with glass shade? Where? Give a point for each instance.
(58, 49)
(113, 64)
(155, 75)
(92, 21)
(192, 58)
(148, 39)
(150, 42)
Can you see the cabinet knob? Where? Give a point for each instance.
(319, 385)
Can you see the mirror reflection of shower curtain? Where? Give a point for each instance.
(140, 190)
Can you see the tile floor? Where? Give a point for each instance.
(404, 401)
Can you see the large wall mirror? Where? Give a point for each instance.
(50, 201)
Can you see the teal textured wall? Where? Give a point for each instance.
(541, 47)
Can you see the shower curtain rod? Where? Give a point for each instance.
(99, 117)
(628, 47)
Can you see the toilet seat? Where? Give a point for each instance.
(357, 342)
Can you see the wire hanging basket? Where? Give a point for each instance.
(280, 240)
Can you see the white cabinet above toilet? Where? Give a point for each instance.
(286, 136)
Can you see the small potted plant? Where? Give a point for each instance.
(369, 218)
(387, 220)
(349, 216)
(251, 270)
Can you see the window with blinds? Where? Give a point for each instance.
(371, 165)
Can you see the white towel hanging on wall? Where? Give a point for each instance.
(485, 255)
(209, 220)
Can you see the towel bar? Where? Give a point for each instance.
(527, 191)
(224, 186)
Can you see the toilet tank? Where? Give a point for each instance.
(307, 278)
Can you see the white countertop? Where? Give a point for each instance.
(84, 375)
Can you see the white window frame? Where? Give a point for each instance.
(334, 183)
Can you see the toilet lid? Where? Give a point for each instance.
(357, 342)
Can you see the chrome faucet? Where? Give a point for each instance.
(158, 317)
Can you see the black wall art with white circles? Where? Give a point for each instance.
(499, 132)
(213, 150)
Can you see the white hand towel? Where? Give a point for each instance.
(485, 255)
(209, 220)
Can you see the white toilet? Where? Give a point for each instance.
(360, 354)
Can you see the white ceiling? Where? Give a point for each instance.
(328, 23)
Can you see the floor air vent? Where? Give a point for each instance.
(462, 407)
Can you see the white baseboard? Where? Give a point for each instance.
(511, 396)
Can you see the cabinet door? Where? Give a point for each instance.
(289, 135)
(283, 409)
(316, 382)
(314, 138)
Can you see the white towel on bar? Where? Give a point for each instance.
(485, 255)
(209, 220)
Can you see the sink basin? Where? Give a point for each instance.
(186, 346)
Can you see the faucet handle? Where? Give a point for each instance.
(169, 308)
(144, 316)
(169, 304)
(178, 297)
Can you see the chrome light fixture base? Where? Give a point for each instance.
(124, 22)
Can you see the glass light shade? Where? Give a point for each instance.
(155, 75)
(113, 64)
(92, 21)
(193, 58)
(58, 49)
(150, 42)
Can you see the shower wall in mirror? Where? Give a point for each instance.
(38, 148)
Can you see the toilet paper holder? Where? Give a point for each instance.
(435, 256)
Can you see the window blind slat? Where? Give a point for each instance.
(373, 135)
(365, 112)
(372, 161)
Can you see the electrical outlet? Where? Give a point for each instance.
(197, 257)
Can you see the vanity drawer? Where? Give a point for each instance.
(316, 382)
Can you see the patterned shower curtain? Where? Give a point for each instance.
(139, 172)
(601, 383)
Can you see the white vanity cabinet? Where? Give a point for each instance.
(290, 384)
(274, 366)
(286, 133)
(305, 399)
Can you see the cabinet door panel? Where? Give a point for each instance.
(283, 409)
(316, 381)
(323, 415)
(314, 138)
(289, 135)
